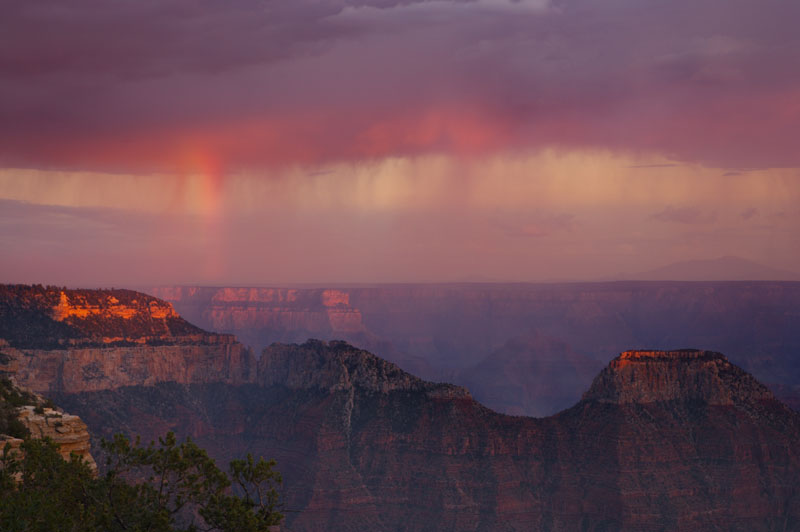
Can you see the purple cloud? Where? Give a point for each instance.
(141, 85)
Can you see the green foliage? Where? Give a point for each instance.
(11, 399)
(166, 487)
(13, 396)
(254, 508)
(50, 493)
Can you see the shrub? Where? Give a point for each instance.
(164, 487)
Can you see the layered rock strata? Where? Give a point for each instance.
(91, 369)
(261, 316)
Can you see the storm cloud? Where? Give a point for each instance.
(151, 85)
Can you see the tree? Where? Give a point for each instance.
(166, 487)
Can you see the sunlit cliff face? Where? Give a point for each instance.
(110, 308)
(430, 140)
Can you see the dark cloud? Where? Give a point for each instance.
(685, 215)
(749, 213)
(146, 84)
(653, 166)
(535, 224)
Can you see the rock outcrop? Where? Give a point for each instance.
(68, 431)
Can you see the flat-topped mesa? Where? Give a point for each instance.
(648, 376)
(336, 365)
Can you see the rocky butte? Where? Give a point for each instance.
(662, 440)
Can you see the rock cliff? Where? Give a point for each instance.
(91, 369)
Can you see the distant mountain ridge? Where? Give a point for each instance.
(727, 268)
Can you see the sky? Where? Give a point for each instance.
(309, 141)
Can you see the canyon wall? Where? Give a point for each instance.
(94, 368)
(261, 316)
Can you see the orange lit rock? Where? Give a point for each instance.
(111, 307)
(333, 298)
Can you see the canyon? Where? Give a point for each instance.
(680, 440)
(527, 349)
(660, 440)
